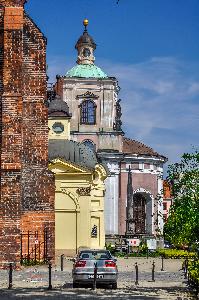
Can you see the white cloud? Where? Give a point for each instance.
(160, 93)
(160, 101)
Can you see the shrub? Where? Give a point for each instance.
(174, 253)
(111, 248)
(193, 269)
(119, 254)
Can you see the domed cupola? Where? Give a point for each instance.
(58, 107)
(85, 39)
(85, 47)
(85, 67)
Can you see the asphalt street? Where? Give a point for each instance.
(32, 282)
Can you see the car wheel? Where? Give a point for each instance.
(75, 285)
(114, 285)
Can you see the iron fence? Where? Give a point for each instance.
(34, 247)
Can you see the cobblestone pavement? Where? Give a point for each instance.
(32, 283)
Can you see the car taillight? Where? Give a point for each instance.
(110, 264)
(80, 264)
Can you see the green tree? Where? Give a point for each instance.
(182, 226)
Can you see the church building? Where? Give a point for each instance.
(93, 97)
(66, 179)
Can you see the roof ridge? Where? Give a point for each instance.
(136, 147)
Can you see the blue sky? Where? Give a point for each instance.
(151, 46)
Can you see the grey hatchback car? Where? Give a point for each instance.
(100, 261)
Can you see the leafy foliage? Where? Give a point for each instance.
(175, 253)
(193, 269)
(182, 227)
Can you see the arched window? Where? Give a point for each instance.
(88, 112)
(90, 144)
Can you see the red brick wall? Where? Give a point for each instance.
(27, 187)
(11, 137)
(59, 87)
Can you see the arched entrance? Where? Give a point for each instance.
(139, 213)
(66, 215)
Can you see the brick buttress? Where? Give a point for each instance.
(26, 186)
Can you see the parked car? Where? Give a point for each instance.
(168, 245)
(84, 265)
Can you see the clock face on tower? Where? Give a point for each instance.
(86, 52)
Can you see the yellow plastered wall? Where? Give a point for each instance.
(65, 220)
(79, 205)
(66, 123)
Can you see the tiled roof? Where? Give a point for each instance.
(135, 147)
(58, 107)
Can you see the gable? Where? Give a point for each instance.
(59, 166)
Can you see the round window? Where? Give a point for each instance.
(58, 127)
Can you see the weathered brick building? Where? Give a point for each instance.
(26, 186)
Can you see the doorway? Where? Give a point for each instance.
(139, 213)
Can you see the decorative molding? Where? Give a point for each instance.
(117, 125)
(72, 196)
(84, 191)
(87, 95)
(141, 190)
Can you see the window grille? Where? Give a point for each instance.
(88, 112)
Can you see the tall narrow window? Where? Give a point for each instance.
(88, 112)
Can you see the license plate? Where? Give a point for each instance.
(99, 276)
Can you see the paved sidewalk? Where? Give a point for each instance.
(32, 283)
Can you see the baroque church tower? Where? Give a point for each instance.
(92, 97)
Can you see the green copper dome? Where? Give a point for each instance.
(86, 71)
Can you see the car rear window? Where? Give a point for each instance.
(94, 255)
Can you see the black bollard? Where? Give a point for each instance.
(50, 276)
(10, 277)
(153, 271)
(136, 274)
(62, 262)
(162, 269)
(185, 268)
(95, 277)
(183, 264)
(147, 253)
